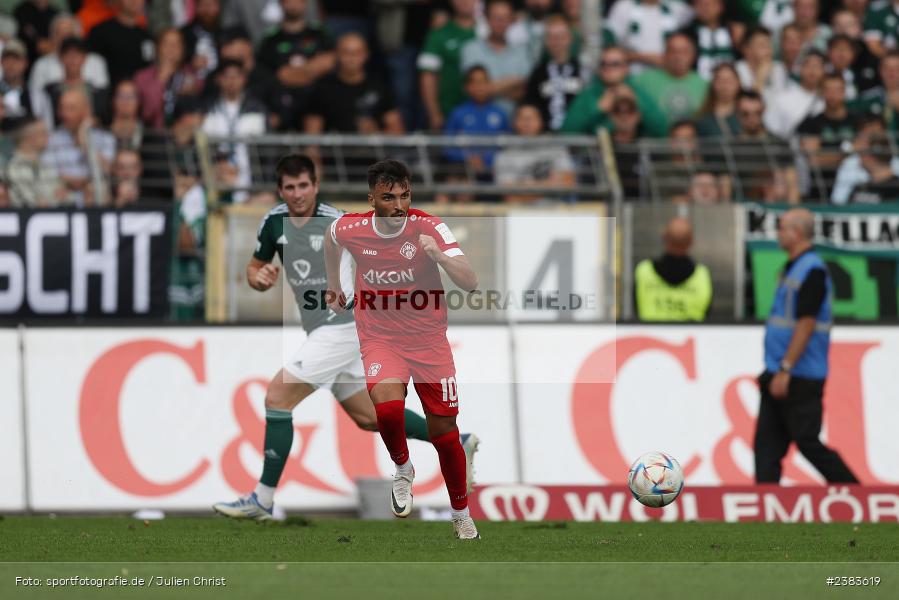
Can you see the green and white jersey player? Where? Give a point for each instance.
(330, 357)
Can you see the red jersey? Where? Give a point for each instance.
(399, 294)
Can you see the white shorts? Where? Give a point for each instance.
(330, 359)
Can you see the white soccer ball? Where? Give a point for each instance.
(655, 479)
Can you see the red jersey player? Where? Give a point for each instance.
(401, 321)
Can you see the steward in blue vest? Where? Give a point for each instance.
(797, 343)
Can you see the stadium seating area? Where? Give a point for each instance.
(189, 103)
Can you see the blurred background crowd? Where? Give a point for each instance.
(774, 100)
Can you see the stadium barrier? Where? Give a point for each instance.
(508, 247)
(172, 418)
(768, 503)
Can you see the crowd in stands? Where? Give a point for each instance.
(769, 100)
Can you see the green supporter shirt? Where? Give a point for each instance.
(882, 23)
(303, 248)
(584, 115)
(442, 54)
(678, 98)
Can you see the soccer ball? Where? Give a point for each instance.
(655, 479)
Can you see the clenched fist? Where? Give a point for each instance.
(430, 247)
(267, 276)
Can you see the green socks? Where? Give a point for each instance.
(278, 440)
(416, 426)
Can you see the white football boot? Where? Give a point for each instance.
(401, 493)
(465, 528)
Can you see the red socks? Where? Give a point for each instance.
(452, 465)
(392, 427)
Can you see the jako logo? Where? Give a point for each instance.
(385, 277)
(408, 250)
(374, 369)
(368, 252)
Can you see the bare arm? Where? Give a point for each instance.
(313, 124)
(457, 267)
(261, 275)
(393, 123)
(510, 87)
(428, 82)
(805, 327)
(308, 73)
(335, 297)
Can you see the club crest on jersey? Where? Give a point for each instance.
(408, 250)
(374, 369)
(316, 242)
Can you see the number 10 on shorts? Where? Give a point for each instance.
(450, 394)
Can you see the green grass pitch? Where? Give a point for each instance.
(337, 558)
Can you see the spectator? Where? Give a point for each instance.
(881, 33)
(823, 136)
(235, 116)
(169, 158)
(590, 110)
(673, 287)
(33, 18)
(203, 36)
(299, 54)
(73, 54)
(535, 165)
(162, 83)
(883, 100)
(507, 65)
(791, 51)
(5, 200)
(847, 23)
(641, 26)
(126, 175)
(13, 91)
(557, 80)
(717, 117)
(677, 89)
(349, 16)
(529, 31)
(348, 100)
(625, 120)
(763, 163)
(48, 68)
(774, 15)
(125, 124)
(705, 190)
(123, 41)
(798, 101)
(882, 184)
(675, 161)
(33, 182)
(841, 55)
(258, 18)
(758, 70)
(479, 115)
(80, 152)
(857, 7)
(711, 36)
(261, 83)
(856, 171)
(440, 63)
(814, 33)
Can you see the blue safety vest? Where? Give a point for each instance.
(782, 321)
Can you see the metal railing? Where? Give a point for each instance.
(441, 165)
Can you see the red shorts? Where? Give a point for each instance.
(433, 373)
